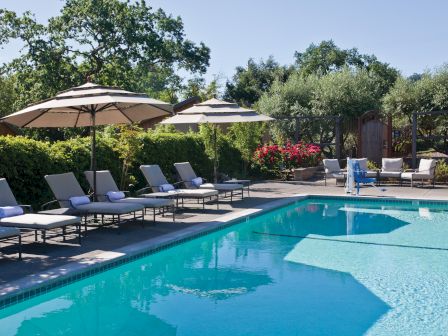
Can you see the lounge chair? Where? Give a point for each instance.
(391, 168)
(332, 169)
(106, 190)
(32, 221)
(192, 181)
(159, 186)
(67, 192)
(426, 171)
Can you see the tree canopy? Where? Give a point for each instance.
(250, 82)
(113, 42)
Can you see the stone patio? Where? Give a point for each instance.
(98, 242)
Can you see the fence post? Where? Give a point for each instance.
(414, 140)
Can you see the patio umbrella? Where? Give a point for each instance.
(215, 111)
(90, 105)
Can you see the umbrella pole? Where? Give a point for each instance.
(93, 153)
(215, 163)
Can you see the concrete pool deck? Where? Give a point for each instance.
(54, 259)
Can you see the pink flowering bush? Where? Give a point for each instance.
(275, 158)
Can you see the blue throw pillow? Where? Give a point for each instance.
(76, 201)
(115, 195)
(197, 181)
(10, 211)
(166, 187)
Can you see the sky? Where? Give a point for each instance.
(410, 35)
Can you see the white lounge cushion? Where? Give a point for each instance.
(392, 165)
(109, 208)
(339, 176)
(331, 165)
(186, 193)
(39, 221)
(416, 176)
(426, 165)
(222, 186)
(147, 202)
(391, 174)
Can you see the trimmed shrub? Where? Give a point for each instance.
(24, 162)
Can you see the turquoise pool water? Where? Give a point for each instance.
(318, 267)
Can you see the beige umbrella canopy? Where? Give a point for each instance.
(90, 105)
(215, 111)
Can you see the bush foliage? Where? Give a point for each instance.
(25, 162)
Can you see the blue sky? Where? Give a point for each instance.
(410, 35)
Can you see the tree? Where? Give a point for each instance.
(428, 93)
(7, 95)
(249, 83)
(347, 93)
(327, 57)
(246, 137)
(197, 86)
(113, 42)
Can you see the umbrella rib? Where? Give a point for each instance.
(122, 112)
(77, 118)
(35, 118)
(157, 107)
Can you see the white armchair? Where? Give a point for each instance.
(426, 171)
(391, 168)
(332, 169)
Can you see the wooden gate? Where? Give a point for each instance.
(374, 136)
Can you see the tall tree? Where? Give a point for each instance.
(113, 42)
(250, 82)
(326, 57)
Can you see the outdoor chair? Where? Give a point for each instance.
(426, 171)
(391, 169)
(107, 191)
(363, 166)
(31, 221)
(192, 181)
(161, 188)
(69, 194)
(332, 169)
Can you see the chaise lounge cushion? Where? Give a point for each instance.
(39, 221)
(222, 186)
(147, 202)
(184, 193)
(109, 208)
(6, 232)
(188, 176)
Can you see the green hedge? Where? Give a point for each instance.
(24, 161)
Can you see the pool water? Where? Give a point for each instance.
(318, 267)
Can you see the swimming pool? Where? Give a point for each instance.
(317, 267)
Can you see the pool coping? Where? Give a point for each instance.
(42, 282)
